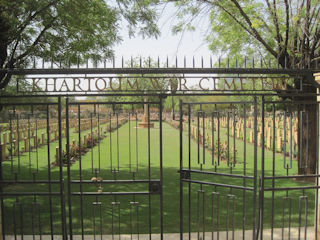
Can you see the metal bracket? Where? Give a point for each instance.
(155, 187)
(184, 174)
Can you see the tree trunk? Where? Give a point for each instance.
(307, 132)
(4, 29)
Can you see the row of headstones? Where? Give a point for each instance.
(249, 122)
(87, 141)
(239, 133)
(20, 141)
(89, 123)
(25, 124)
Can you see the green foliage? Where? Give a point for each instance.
(278, 29)
(67, 31)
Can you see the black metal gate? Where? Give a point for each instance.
(90, 183)
(74, 169)
(239, 170)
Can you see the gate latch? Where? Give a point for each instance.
(185, 174)
(155, 187)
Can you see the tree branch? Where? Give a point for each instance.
(234, 18)
(255, 32)
(275, 22)
(287, 26)
(37, 40)
(23, 26)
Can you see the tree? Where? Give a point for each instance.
(288, 31)
(66, 31)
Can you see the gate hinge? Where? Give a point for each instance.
(155, 187)
(185, 174)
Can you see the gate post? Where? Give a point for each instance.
(317, 221)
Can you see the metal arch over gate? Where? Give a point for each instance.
(72, 168)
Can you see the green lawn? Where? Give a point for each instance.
(170, 187)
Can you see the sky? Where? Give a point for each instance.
(189, 44)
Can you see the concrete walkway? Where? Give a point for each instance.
(238, 235)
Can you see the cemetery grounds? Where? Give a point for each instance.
(32, 161)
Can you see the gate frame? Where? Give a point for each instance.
(306, 73)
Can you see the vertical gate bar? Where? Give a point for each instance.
(317, 172)
(14, 221)
(262, 166)
(95, 205)
(228, 137)
(100, 215)
(284, 199)
(80, 172)
(149, 169)
(307, 140)
(11, 141)
(291, 140)
(203, 139)
(212, 138)
(137, 148)
(273, 164)
(299, 219)
(227, 220)
(301, 137)
(37, 153)
(233, 215)
(61, 179)
(21, 220)
(306, 218)
(203, 216)
(129, 143)
(234, 139)
(29, 141)
(198, 215)
(181, 167)
(49, 171)
(131, 218)
(189, 167)
(118, 154)
(99, 156)
(161, 172)
(39, 221)
(17, 204)
(213, 214)
(110, 132)
(138, 232)
(32, 221)
(218, 218)
(132, 205)
(199, 219)
(301, 198)
(91, 140)
(198, 136)
(117, 204)
(2, 203)
(284, 139)
(218, 116)
(36, 206)
(18, 136)
(94, 221)
(68, 168)
(244, 170)
(255, 171)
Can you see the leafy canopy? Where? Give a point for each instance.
(283, 29)
(67, 31)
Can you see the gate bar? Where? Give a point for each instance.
(262, 167)
(255, 171)
(61, 179)
(181, 166)
(68, 168)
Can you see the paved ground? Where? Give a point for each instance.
(238, 235)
